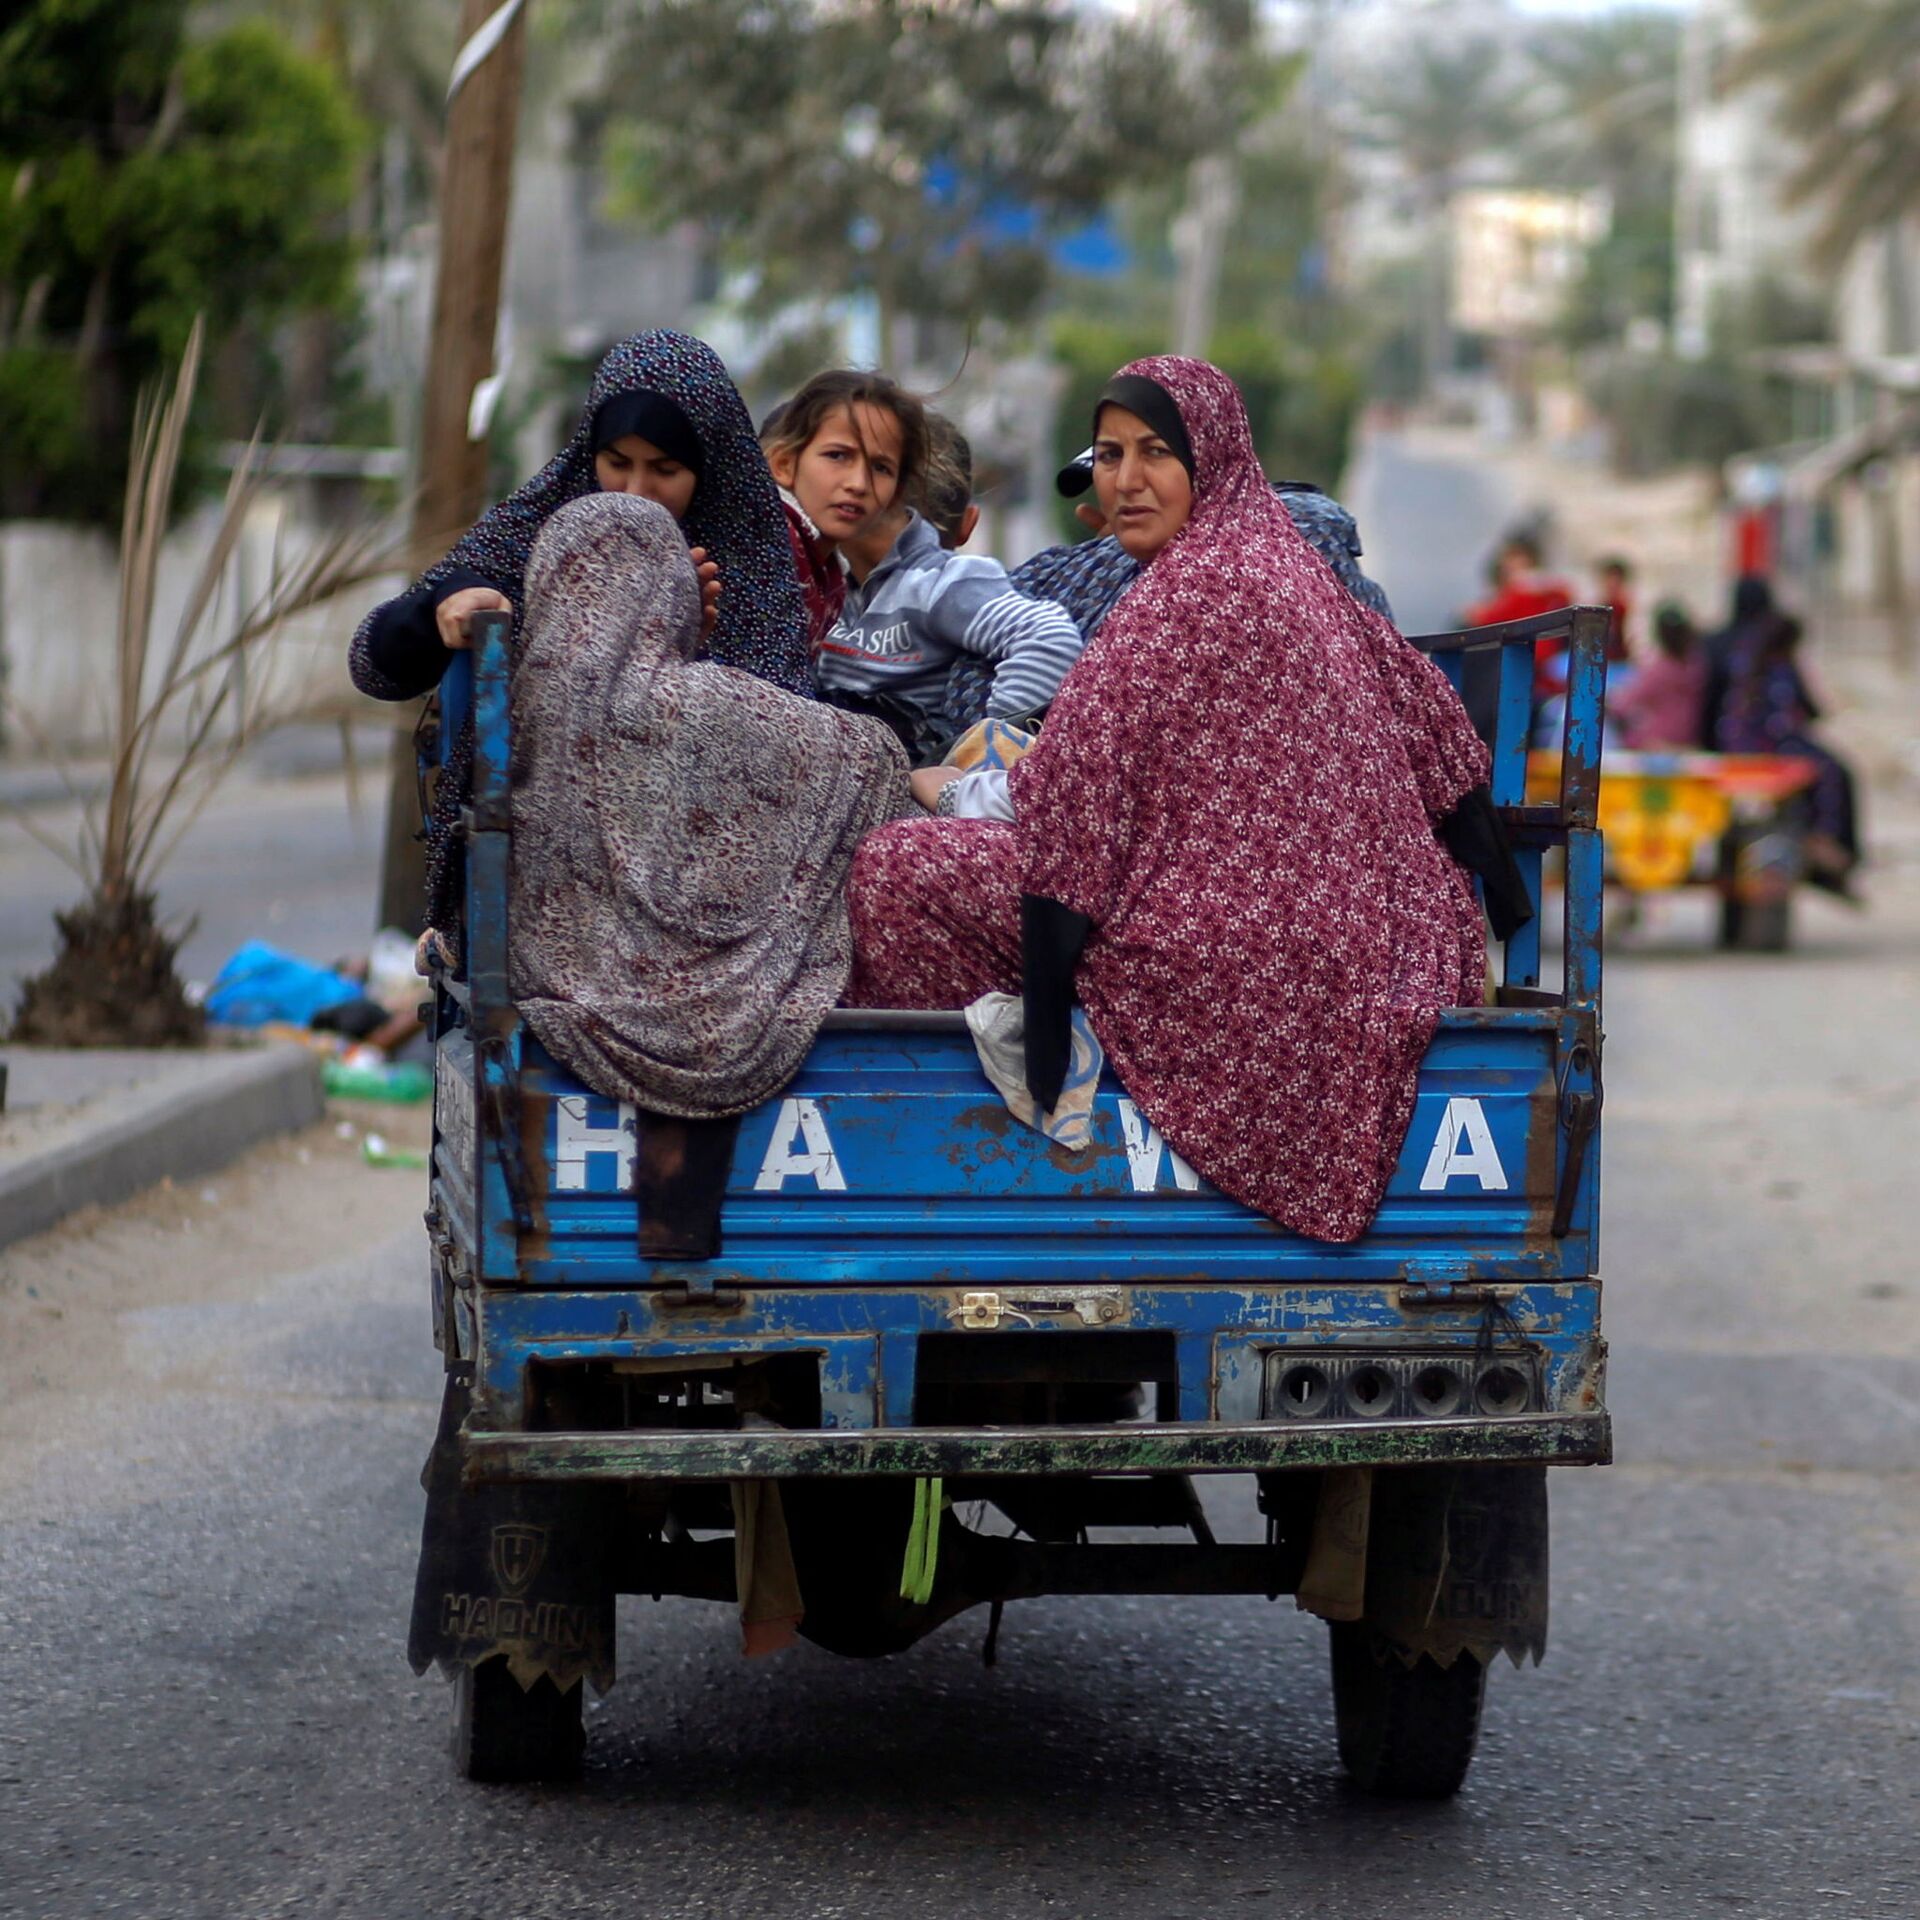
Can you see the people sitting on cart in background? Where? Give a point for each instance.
(918, 607)
(1615, 575)
(1758, 701)
(1657, 707)
(1228, 838)
(1520, 590)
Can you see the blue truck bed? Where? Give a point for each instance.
(886, 1200)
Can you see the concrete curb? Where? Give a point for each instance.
(168, 1131)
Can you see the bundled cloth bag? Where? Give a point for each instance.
(682, 831)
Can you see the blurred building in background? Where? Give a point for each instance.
(1734, 227)
(1518, 256)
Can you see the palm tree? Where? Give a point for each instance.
(1445, 103)
(112, 982)
(1603, 100)
(1847, 73)
(1602, 112)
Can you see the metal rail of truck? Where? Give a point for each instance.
(915, 1294)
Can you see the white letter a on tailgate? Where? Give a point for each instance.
(800, 1144)
(1474, 1154)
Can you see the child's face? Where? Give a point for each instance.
(848, 473)
(633, 465)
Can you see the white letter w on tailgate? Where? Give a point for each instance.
(1144, 1150)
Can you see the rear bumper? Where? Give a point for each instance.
(1558, 1439)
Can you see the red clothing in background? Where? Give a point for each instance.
(1521, 600)
(1659, 708)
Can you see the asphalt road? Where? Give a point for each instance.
(214, 1404)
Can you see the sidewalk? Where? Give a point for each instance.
(91, 1128)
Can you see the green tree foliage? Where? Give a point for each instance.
(1847, 76)
(1602, 106)
(892, 147)
(1448, 99)
(146, 176)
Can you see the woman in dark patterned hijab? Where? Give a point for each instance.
(672, 392)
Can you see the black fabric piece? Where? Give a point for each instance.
(1154, 404)
(1476, 837)
(907, 724)
(355, 1018)
(653, 416)
(680, 1171)
(1051, 939)
(403, 640)
(519, 1570)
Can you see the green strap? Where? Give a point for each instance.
(923, 1542)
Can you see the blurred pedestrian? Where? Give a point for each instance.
(1616, 594)
(1658, 707)
(1752, 608)
(1768, 708)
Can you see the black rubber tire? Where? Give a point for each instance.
(1406, 1733)
(1757, 927)
(504, 1732)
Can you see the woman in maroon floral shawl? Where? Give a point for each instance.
(1225, 839)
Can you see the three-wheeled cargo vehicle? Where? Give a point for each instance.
(921, 1306)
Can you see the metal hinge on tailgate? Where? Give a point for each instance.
(1580, 1116)
(501, 1103)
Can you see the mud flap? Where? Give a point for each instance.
(1457, 1562)
(515, 1570)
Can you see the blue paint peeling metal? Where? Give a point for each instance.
(887, 1181)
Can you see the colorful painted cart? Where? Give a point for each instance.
(1733, 822)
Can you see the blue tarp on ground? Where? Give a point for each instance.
(260, 984)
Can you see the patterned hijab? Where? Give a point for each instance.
(681, 832)
(1238, 784)
(735, 513)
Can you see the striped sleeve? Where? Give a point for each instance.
(1034, 642)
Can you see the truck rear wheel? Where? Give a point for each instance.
(1405, 1732)
(503, 1731)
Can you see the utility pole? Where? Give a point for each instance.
(1202, 227)
(476, 189)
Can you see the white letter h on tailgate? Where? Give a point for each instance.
(579, 1147)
